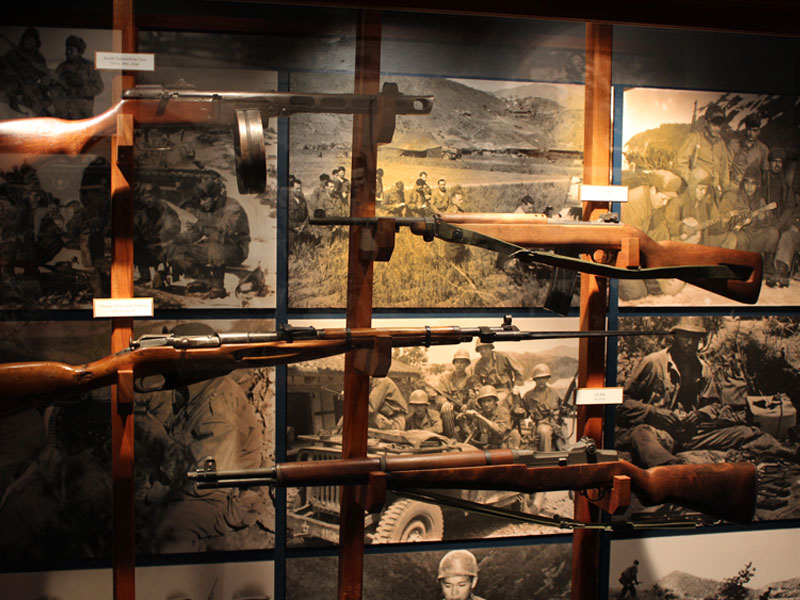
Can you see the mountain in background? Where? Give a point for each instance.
(463, 118)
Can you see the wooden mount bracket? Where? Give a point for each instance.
(372, 496)
(375, 361)
(124, 157)
(125, 392)
(616, 498)
(629, 255)
(377, 243)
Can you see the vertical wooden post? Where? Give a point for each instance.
(596, 170)
(123, 549)
(359, 305)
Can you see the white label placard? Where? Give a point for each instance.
(604, 193)
(126, 61)
(609, 395)
(122, 307)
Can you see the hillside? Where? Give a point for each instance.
(462, 117)
(687, 585)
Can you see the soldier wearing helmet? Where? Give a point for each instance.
(543, 405)
(422, 416)
(672, 404)
(217, 240)
(497, 369)
(492, 422)
(458, 575)
(453, 392)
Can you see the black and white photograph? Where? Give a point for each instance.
(55, 249)
(486, 146)
(718, 169)
(537, 572)
(752, 565)
(449, 398)
(55, 499)
(714, 389)
(220, 580)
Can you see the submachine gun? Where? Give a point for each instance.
(244, 113)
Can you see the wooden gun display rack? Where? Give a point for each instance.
(362, 364)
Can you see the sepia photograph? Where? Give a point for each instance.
(534, 572)
(220, 580)
(717, 169)
(486, 146)
(449, 398)
(715, 389)
(751, 565)
(55, 484)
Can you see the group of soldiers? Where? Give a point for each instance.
(214, 237)
(736, 194)
(30, 87)
(36, 226)
(331, 197)
(480, 404)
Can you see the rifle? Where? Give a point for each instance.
(167, 361)
(243, 112)
(723, 490)
(615, 249)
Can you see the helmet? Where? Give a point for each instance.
(210, 186)
(487, 391)
(690, 325)
(461, 354)
(479, 344)
(541, 370)
(715, 114)
(418, 397)
(458, 562)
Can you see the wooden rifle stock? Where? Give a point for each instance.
(618, 244)
(724, 490)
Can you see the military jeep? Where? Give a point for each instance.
(313, 512)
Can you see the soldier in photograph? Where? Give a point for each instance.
(342, 185)
(673, 404)
(417, 202)
(491, 423)
(378, 184)
(458, 575)
(299, 230)
(426, 189)
(655, 208)
(394, 200)
(703, 219)
(629, 579)
(155, 226)
(497, 369)
(776, 189)
(755, 226)
(542, 404)
(387, 405)
(26, 81)
(218, 239)
(746, 149)
(209, 418)
(91, 225)
(440, 197)
(455, 390)
(704, 148)
(79, 80)
(422, 415)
